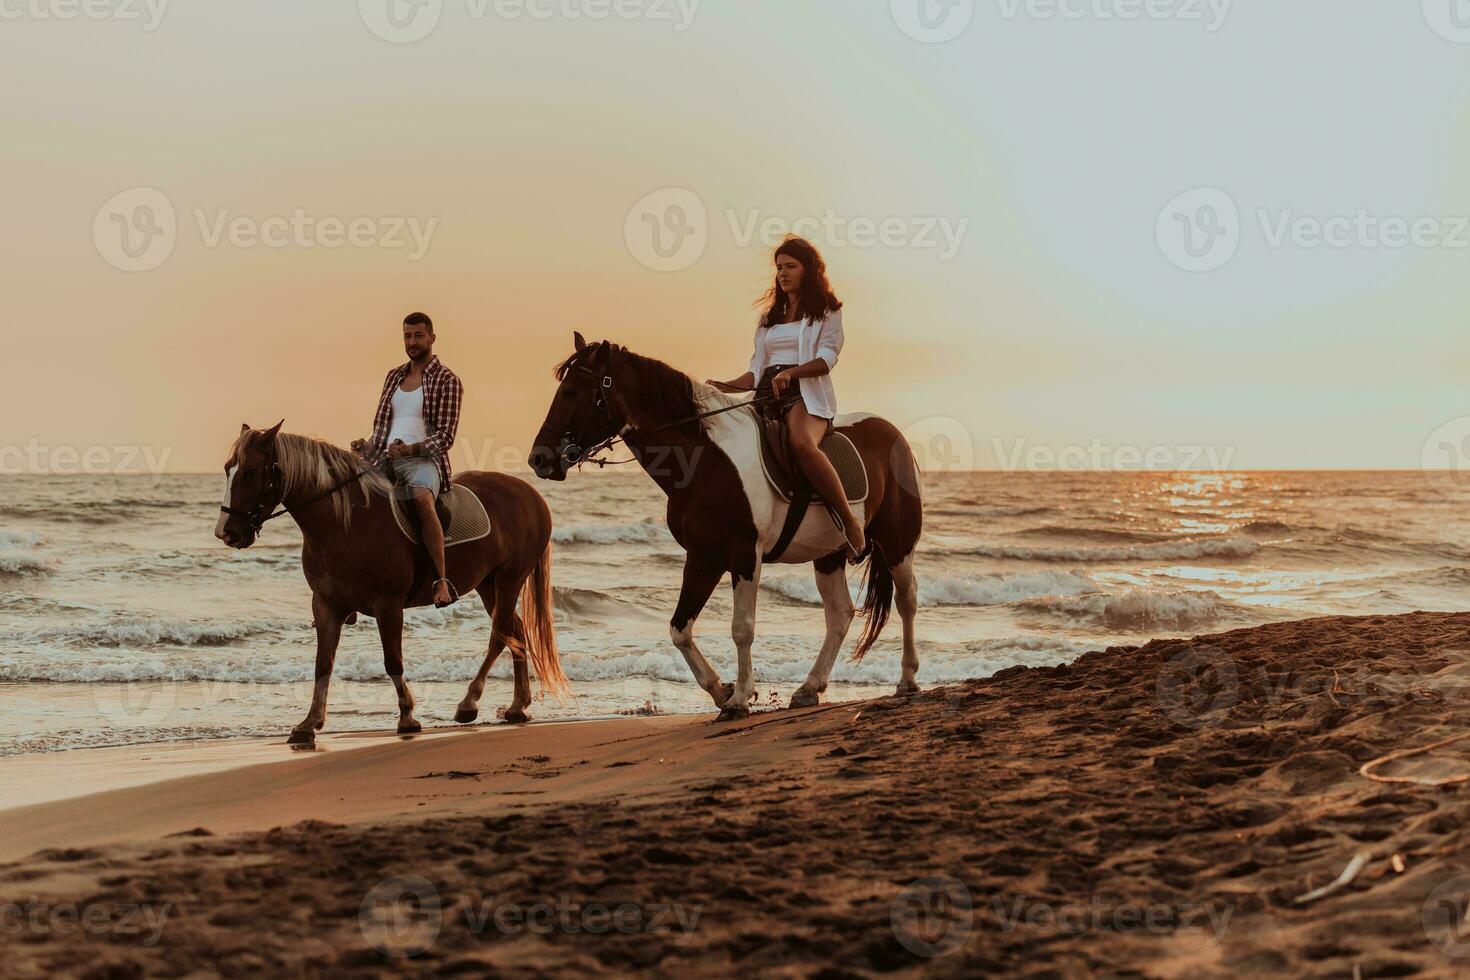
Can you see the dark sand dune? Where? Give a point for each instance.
(1150, 811)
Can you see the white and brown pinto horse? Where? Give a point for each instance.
(356, 560)
(702, 447)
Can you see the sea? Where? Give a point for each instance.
(123, 621)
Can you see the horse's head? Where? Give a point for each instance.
(582, 415)
(254, 486)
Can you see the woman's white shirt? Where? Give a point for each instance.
(824, 340)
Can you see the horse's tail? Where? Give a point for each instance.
(536, 614)
(877, 601)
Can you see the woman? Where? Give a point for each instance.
(797, 341)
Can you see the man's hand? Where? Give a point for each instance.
(360, 446)
(399, 449)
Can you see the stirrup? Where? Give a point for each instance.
(453, 592)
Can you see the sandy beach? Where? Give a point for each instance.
(1174, 809)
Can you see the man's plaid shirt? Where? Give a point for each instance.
(442, 397)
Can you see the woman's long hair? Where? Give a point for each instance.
(817, 299)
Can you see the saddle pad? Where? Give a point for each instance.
(467, 518)
(845, 459)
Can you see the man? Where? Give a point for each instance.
(418, 414)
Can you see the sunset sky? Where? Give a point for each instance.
(534, 150)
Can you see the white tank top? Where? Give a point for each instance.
(783, 343)
(408, 416)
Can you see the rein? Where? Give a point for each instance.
(253, 516)
(575, 455)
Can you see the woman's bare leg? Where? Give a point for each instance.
(807, 434)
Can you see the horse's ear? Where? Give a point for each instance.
(244, 426)
(270, 434)
(577, 338)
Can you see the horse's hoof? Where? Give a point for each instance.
(466, 715)
(905, 688)
(726, 693)
(804, 698)
(733, 712)
(409, 728)
(515, 717)
(302, 736)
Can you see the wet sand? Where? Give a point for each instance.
(1176, 809)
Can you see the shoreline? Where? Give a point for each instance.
(1176, 809)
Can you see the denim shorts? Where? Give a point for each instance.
(415, 471)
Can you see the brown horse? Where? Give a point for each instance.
(356, 560)
(702, 448)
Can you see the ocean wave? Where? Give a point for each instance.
(779, 659)
(15, 564)
(19, 539)
(635, 532)
(1089, 534)
(953, 590)
(1136, 609)
(1223, 547)
(136, 633)
(1266, 528)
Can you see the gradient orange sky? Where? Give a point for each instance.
(1059, 321)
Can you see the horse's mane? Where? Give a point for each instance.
(314, 465)
(665, 394)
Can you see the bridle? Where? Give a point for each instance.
(574, 455)
(275, 489)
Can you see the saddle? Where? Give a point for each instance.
(786, 478)
(461, 515)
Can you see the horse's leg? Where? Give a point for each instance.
(328, 623)
(469, 708)
(837, 605)
(699, 584)
(742, 631)
(906, 598)
(521, 700)
(390, 632)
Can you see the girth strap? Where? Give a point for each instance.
(801, 499)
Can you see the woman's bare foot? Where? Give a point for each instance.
(443, 595)
(856, 540)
